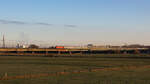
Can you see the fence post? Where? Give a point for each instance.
(5, 75)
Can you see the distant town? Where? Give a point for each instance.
(24, 45)
(35, 49)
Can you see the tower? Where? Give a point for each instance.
(3, 41)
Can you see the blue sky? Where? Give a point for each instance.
(76, 21)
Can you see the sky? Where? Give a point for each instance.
(75, 22)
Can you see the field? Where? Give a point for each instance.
(77, 69)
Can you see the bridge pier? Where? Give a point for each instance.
(59, 52)
(33, 52)
(46, 53)
(70, 52)
(117, 51)
(136, 51)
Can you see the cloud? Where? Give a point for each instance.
(35, 23)
(12, 22)
(22, 23)
(70, 26)
(46, 24)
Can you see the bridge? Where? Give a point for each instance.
(47, 51)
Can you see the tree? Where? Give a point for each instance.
(33, 46)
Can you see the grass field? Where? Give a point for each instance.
(25, 65)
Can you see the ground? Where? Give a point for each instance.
(110, 69)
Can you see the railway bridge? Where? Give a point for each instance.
(47, 51)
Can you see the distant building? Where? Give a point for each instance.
(59, 47)
(90, 45)
(51, 47)
(21, 46)
(18, 45)
(73, 47)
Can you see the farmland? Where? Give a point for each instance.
(91, 69)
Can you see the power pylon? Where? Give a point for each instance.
(3, 41)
